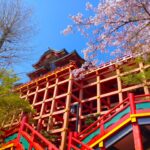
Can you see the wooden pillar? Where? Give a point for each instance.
(80, 114)
(43, 103)
(66, 114)
(35, 95)
(146, 90)
(119, 84)
(136, 128)
(26, 98)
(80, 107)
(98, 93)
(102, 129)
(50, 122)
(27, 93)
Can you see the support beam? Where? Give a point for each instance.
(43, 104)
(119, 84)
(35, 95)
(98, 94)
(66, 114)
(136, 129)
(146, 90)
(80, 107)
(137, 137)
(50, 122)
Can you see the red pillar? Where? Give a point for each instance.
(21, 127)
(75, 134)
(137, 136)
(32, 139)
(132, 103)
(136, 129)
(69, 140)
(102, 130)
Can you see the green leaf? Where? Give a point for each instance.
(11, 105)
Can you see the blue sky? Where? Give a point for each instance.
(50, 18)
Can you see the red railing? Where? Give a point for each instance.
(75, 144)
(140, 98)
(100, 122)
(9, 132)
(131, 102)
(35, 139)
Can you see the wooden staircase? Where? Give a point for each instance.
(126, 114)
(27, 138)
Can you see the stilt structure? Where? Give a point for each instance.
(65, 106)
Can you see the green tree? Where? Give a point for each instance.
(15, 32)
(11, 105)
(138, 77)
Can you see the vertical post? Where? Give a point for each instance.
(21, 128)
(69, 140)
(137, 137)
(75, 134)
(50, 122)
(102, 130)
(32, 139)
(98, 93)
(66, 114)
(80, 106)
(119, 84)
(77, 118)
(146, 90)
(132, 103)
(35, 95)
(136, 128)
(44, 98)
(27, 92)
(43, 105)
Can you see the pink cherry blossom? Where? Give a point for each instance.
(67, 30)
(122, 25)
(89, 6)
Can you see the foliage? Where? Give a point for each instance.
(49, 136)
(147, 74)
(133, 79)
(89, 120)
(138, 77)
(15, 30)
(122, 25)
(10, 103)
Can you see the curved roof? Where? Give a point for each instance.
(50, 51)
(52, 59)
(73, 52)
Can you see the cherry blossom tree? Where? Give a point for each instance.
(116, 26)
